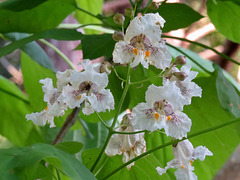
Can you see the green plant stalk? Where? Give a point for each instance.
(65, 58)
(178, 49)
(110, 132)
(204, 46)
(102, 121)
(136, 132)
(173, 142)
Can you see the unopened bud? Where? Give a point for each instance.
(106, 67)
(180, 60)
(119, 19)
(180, 75)
(118, 36)
(154, 6)
(126, 121)
(129, 12)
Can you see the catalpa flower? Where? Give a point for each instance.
(142, 43)
(88, 87)
(163, 110)
(55, 106)
(185, 154)
(188, 88)
(129, 145)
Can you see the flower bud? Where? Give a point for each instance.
(180, 60)
(119, 19)
(106, 67)
(180, 75)
(154, 6)
(128, 12)
(118, 36)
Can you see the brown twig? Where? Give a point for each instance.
(70, 121)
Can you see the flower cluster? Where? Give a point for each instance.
(164, 104)
(74, 88)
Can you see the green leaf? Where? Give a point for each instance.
(33, 50)
(71, 147)
(234, 1)
(10, 88)
(207, 112)
(226, 18)
(23, 163)
(32, 73)
(20, 5)
(95, 46)
(58, 34)
(177, 15)
(44, 16)
(13, 108)
(93, 6)
(227, 94)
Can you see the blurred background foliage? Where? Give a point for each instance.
(36, 38)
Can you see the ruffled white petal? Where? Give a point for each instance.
(170, 92)
(201, 152)
(185, 174)
(144, 119)
(178, 126)
(160, 57)
(41, 118)
(123, 53)
(148, 24)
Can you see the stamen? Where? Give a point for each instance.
(168, 118)
(46, 108)
(147, 54)
(135, 51)
(79, 97)
(132, 148)
(182, 166)
(156, 115)
(191, 162)
(123, 149)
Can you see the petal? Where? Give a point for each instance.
(63, 78)
(149, 24)
(48, 88)
(114, 146)
(183, 151)
(178, 126)
(87, 109)
(41, 118)
(170, 92)
(160, 57)
(200, 152)
(143, 118)
(185, 174)
(102, 100)
(123, 53)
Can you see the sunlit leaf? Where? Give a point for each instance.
(226, 18)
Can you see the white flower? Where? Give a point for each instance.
(187, 87)
(88, 86)
(55, 107)
(63, 78)
(129, 145)
(142, 43)
(185, 154)
(163, 110)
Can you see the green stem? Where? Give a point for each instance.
(87, 12)
(65, 58)
(173, 142)
(204, 46)
(58, 174)
(118, 75)
(178, 49)
(119, 108)
(136, 132)
(102, 121)
(138, 82)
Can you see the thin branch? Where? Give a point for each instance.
(136, 132)
(102, 121)
(204, 46)
(178, 49)
(65, 58)
(70, 121)
(118, 75)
